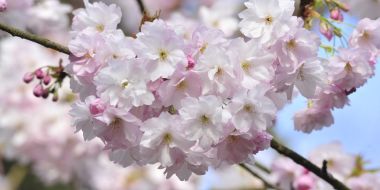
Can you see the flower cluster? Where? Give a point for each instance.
(348, 168)
(37, 134)
(346, 71)
(206, 100)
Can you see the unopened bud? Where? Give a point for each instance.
(39, 73)
(335, 14)
(325, 29)
(38, 90)
(47, 79)
(45, 93)
(28, 77)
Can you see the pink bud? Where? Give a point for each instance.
(3, 5)
(336, 15)
(28, 77)
(97, 106)
(45, 93)
(39, 73)
(47, 79)
(325, 30)
(38, 90)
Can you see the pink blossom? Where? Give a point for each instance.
(367, 35)
(162, 139)
(312, 118)
(203, 119)
(98, 17)
(159, 44)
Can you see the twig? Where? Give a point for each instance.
(266, 183)
(308, 165)
(262, 167)
(28, 36)
(141, 6)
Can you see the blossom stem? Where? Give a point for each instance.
(266, 183)
(308, 165)
(31, 37)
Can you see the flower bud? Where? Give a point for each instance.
(97, 106)
(28, 77)
(47, 79)
(335, 14)
(45, 93)
(3, 5)
(325, 29)
(38, 90)
(39, 73)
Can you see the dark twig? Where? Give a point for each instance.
(308, 165)
(42, 41)
(141, 6)
(266, 183)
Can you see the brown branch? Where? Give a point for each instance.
(31, 37)
(308, 165)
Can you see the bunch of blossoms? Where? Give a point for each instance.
(160, 99)
(191, 103)
(46, 142)
(348, 70)
(348, 168)
(188, 104)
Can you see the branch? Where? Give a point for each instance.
(31, 37)
(266, 183)
(141, 6)
(308, 165)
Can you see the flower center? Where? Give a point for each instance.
(168, 138)
(100, 27)
(163, 55)
(203, 48)
(245, 66)
(205, 120)
(248, 108)
(182, 85)
(348, 67)
(291, 44)
(124, 83)
(268, 20)
(219, 71)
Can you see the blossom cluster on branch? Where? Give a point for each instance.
(192, 101)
